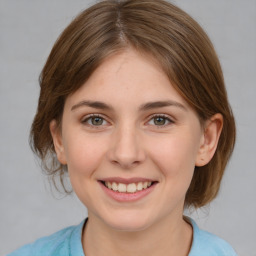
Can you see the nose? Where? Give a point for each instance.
(126, 148)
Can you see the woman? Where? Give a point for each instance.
(133, 106)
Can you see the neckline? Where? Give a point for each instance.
(76, 247)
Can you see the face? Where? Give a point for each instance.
(130, 142)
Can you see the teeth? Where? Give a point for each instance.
(129, 188)
(139, 186)
(114, 186)
(108, 184)
(121, 187)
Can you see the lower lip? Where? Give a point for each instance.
(127, 197)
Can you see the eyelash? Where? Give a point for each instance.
(86, 119)
(165, 118)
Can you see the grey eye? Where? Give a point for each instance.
(159, 120)
(96, 121)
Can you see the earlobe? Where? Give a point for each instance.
(210, 139)
(57, 141)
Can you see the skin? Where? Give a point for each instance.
(125, 140)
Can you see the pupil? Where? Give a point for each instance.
(159, 121)
(97, 121)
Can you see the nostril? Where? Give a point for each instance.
(125, 164)
(126, 151)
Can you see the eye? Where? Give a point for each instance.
(160, 120)
(94, 120)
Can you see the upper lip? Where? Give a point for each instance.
(126, 180)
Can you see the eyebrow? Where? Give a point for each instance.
(161, 104)
(92, 104)
(144, 107)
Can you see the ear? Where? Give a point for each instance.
(210, 139)
(57, 141)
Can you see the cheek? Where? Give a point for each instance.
(83, 155)
(175, 156)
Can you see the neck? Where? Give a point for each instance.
(164, 238)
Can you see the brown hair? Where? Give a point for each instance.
(153, 27)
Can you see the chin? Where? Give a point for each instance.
(128, 222)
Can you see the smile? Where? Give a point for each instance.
(127, 188)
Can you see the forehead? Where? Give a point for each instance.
(128, 76)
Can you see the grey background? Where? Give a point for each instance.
(28, 210)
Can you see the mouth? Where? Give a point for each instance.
(131, 188)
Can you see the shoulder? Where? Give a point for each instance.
(59, 243)
(207, 244)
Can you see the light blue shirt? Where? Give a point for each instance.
(67, 242)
